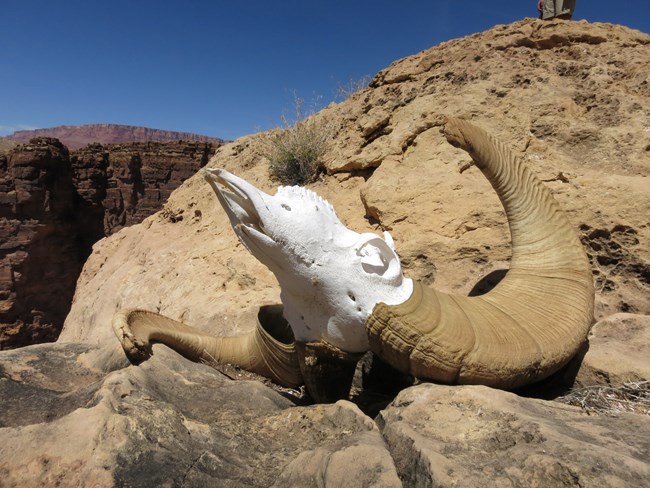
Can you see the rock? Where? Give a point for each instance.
(5, 146)
(78, 136)
(618, 352)
(476, 436)
(339, 464)
(54, 206)
(40, 258)
(125, 183)
(170, 422)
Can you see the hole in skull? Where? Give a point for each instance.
(286, 207)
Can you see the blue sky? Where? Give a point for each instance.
(222, 68)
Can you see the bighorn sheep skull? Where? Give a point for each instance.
(330, 276)
(344, 293)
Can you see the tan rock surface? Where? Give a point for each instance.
(619, 346)
(475, 436)
(171, 422)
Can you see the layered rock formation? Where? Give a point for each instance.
(571, 98)
(56, 205)
(78, 136)
(40, 258)
(126, 183)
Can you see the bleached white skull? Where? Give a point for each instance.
(330, 276)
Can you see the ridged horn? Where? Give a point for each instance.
(267, 350)
(524, 329)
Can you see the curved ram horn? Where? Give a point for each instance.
(527, 327)
(268, 350)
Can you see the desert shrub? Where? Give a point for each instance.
(295, 151)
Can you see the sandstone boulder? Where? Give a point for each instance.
(476, 436)
(618, 351)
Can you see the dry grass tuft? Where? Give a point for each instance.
(630, 397)
(353, 86)
(295, 151)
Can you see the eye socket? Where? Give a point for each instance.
(286, 207)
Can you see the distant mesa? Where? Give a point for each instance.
(78, 136)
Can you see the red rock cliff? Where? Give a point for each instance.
(40, 258)
(54, 205)
(128, 182)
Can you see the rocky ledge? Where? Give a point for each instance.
(71, 416)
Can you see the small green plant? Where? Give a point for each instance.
(295, 151)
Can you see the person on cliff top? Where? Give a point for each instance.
(556, 9)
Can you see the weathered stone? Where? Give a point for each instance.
(362, 462)
(476, 436)
(54, 206)
(122, 184)
(170, 422)
(39, 252)
(618, 352)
